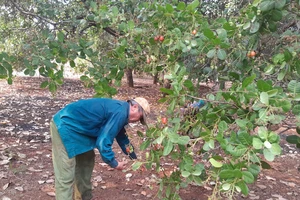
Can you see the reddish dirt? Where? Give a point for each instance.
(25, 111)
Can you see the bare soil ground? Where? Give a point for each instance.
(26, 171)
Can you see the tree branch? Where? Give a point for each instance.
(90, 24)
(107, 29)
(32, 14)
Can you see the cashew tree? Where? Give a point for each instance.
(228, 139)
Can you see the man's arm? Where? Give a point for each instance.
(106, 137)
(125, 144)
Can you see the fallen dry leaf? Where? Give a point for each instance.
(48, 188)
(5, 186)
(34, 170)
(19, 188)
(51, 194)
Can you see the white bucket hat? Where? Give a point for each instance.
(146, 108)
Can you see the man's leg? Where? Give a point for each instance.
(83, 173)
(64, 168)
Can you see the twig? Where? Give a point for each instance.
(36, 16)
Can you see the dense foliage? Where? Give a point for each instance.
(254, 45)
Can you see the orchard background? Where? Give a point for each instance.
(247, 52)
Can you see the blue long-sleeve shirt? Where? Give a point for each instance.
(94, 123)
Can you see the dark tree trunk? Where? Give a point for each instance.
(155, 78)
(129, 77)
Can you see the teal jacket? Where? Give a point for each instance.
(94, 123)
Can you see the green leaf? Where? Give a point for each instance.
(72, 63)
(286, 105)
(275, 149)
(52, 87)
(222, 33)
(238, 151)
(254, 27)
(140, 134)
(9, 81)
(185, 174)
(265, 165)
(262, 133)
(194, 43)
(168, 148)
(215, 163)
(211, 53)
(257, 143)
(273, 137)
(248, 177)
(208, 33)
(276, 15)
(169, 8)
(136, 165)
(281, 74)
(7, 66)
(244, 188)
(222, 126)
(44, 84)
(263, 86)
(298, 129)
(296, 110)
(115, 10)
(35, 61)
(229, 173)
(269, 69)
(293, 139)
(246, 25)
(130, 25)
(145, 145)
(248, 80)
(197, 180)
(221, 54)
(297, 97)
(294, 86)
(266, 6)
(276, 119)
(268, 155)
(160, 139)
(84, 78)
(61, 37)
(272, 93)
(189, 84)
(211, 144)
(278, 58)
(264, 98)
(254, 169)
(206, 147)
(198, 169)
(166, 91)
(3, 72)
(279, 4)
(241, 123)
(173, 137)
(183, 140)
(245, 138)
(181, 6)
(192, 6)
(226, 186)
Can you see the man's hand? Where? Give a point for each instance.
(121, 165)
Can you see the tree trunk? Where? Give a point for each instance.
(155, 78)
(129, 77)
